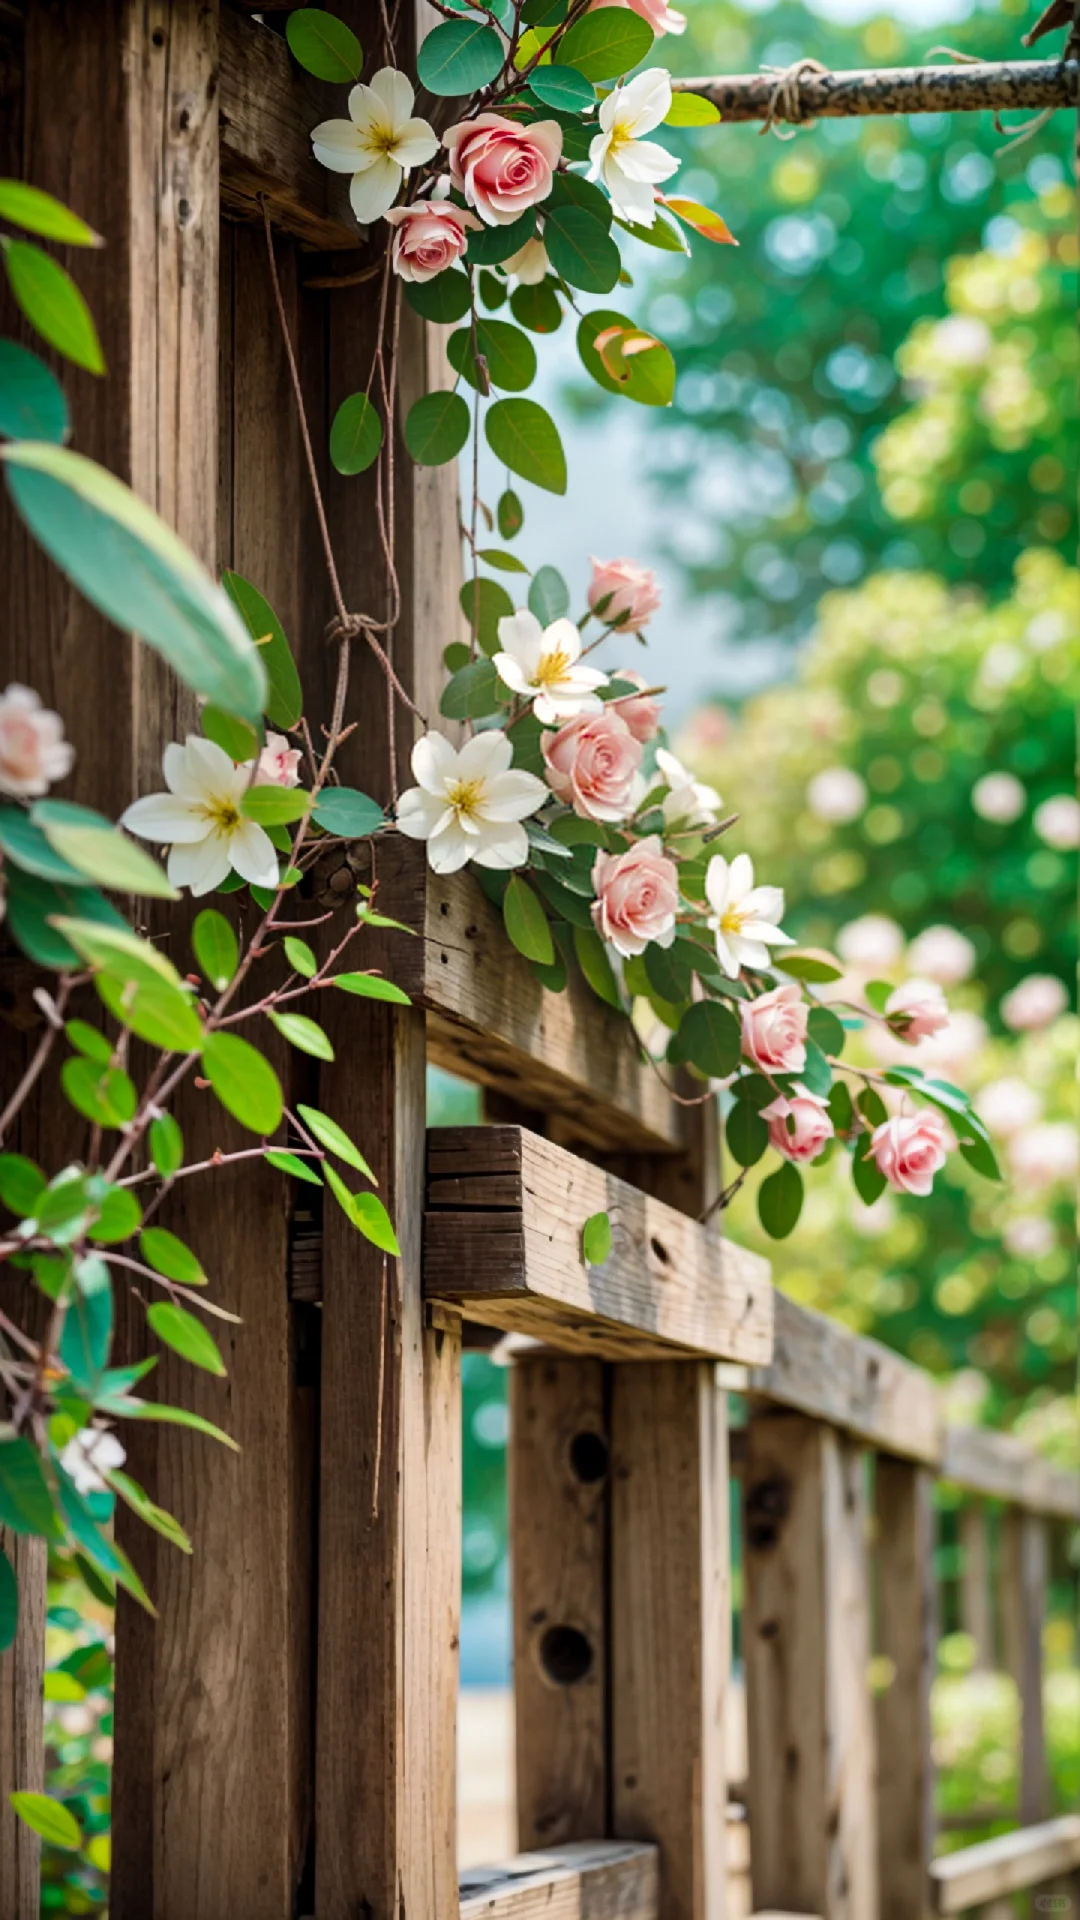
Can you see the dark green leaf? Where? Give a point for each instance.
(827, 1030)
(303, 1033)
(436, 428)
(166, 1145)
(509, 515)
(868, 1178)
(347, 812)
(458, 57)
(574, 190)
(88, 1324)
(324, 45)
(26, 845)
(371, 986)
(563, 87)
(537, 307)
(606, 43)
(444, 299)
(650, 375)
(872, 1107)
(526, 922)
(841, 1108)
(596, 1239)
(493, 245)
(507, 353)
(668, 971)
(780, 1199)
(53, 304)
(334, 1138)
(493, 291)
(472, 692)
(747, 1134)
(284, 698)
(215, 946)
(186, 1335)
(980, 1155)
(484, 603)
(813, 965)
(169, 1255)
(525, 438)
(569, 906)
(49, 1818)
(37, 212)
(356, 435)
(25, 1501)
(594, 963)
(549, 595)
(662, 235)
(245, 1082)
(711, 1039)
(579, 246)
(32, 403)
(816, 1075)
(9, 1603)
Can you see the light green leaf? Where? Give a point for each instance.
(63, 1688)
(168, 1254)
(132, 567)
(522, 435)
(334, 1138)
(32, 402)
(140, 1502)
(186, 1335)
(53, 304)
(780, 1199)
(216, 948)
(125, 1407)
(50, 1818)
(650, 375)
(235, 737)
(371, 986)
(244, 1081)
(526, 922)
(9, 1604)
(274, 806)
(291, 1163)
(89, 1040)
(163, 1015)
(356, 435)
(104, 1095)
(166, 1145)
(119, 1216)
(691, 110)
(502, 562)
(366, 1211)
(596, 1239)
(90, 842)
(22, 1183)
(324, 45)
(437, 425)
(348, 813)
(484, 603)
(284, 697)
(303, 1033)
(37, 212)
(300, 957)
(458, 57)
(607, 43)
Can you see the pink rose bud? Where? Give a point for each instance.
(916, 1010)
(774, 1029)
(279, 764)
(658, 15)
(33, 751)
(501, 167)
(910, 1149)
(622, 588)
(591, 764)
(637, 897)
(430, 237)
(800, 1125)
(641, 714)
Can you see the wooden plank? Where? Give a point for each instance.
(907, 1638)
(976, 1617)
(1008, 1864)
(585, 1880)
(22, 1740)
(1024, 1609)
(1002, 1467)
(821, 1368)
(558, 1472)
(806, 1645)
(506, 1246)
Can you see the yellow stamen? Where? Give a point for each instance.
(465, 797)
(731, 920)
(223, 814)
(552, 668)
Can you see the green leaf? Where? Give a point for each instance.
(166, 1145)
(443, 300)
(119, 1216)
(88, 1325)
(567, 905)
(827, 1030)
(284, 697)
(367, 1213)
(711, 1039)
(869, 1181)
(63, 1688)
(525, 438)
(245, 1082)
(104, 1095)
(347, 812)
(186, 1335)
(90, 843)
(235, 737)
(32, 402)
(21, 1183)
(274, 806)
(549, 595)
(574, 190)
(157, 1012)
(493, 291)
(53, 304)
(650, 377)
(356, 435)
(89, 1040)
(563, 87)
(509, 355)
(371, 986)
(484, 603)
(841, 1108)
(817, 967)
(780, 1199)
(747, 1134)
(125, 1407)
(132, 567)
(300, 957)
(509, 515)
(607, 43)
(334, 1138)
(493, 245)
(50, 1818)
(458, 57)
(472, 692)
(596, 1239)
(169, 1255)
(580, 247)
(663, 235)
(527, 923)
(872, 1107)
(291, 1163)
(503, 562)
(669, 971)
(215, 946)
(140, 1502)
(436, 428)
(303, 1033)
(980, 1155)
(26, 845)
(9, 1604)
(537, 307)
(324, 45)
(37, 212)
(595, 965)
(816, 1075)
(691, 110)
(25, 1501)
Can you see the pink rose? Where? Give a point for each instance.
(642, 715)
(430, 236)
(33, 750)
(800, 1125)
(628, 590)
(503, 168)
(279, 763)
(916, 1009)
(910, 1149)
(774, 1029)
(637, 897)
(591, 764)
(659, 16)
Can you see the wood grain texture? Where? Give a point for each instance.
(671, 1626)
(1002, 1467)
(22, 1740)
(997, 84)
(806, 1645)
(558, 1475)
(268, 107)
(976, 1613)
(1030, 1857)
(820, 1367)
(907, 1637)
(1024, 1610)
(585, 1880)
(507, 1247)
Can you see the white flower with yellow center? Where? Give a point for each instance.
(542, 664)
(744, 918)
(469, 805)
(377, 144)
(199, 819)
(629, 166)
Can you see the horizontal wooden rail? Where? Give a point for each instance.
(821, 1368)
(584, 1880)
(1002, 1467)
(1011, 1863)
(803, 94)
(502, 1244)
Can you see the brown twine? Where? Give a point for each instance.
(786, 100)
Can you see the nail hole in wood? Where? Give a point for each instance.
(566, 1656)
(588, 1457)
(660, 1251)
(158, 37)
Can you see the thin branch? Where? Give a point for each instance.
(996, 85)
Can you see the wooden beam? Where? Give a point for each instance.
(804, 92)
(806, 1647)
(976, 1612)
(1008, 1864)
(907, 1638)
(1001, 1467)
(586, 1880)
(22, 1739)
(1023, 1593)
(820, 1367)
(503, 1241)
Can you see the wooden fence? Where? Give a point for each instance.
(285, 1733)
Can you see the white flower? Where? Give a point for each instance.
(744, 918)
(529, 264)
(33, 751)
(377, 144)
(628, 165)
(469, 805)
(89, 1455)
(942, 954)
(1057, 821)
(836, 794)
(200, 820)
(690, 803)
(541, 663)
(999, 797)
(871, 941)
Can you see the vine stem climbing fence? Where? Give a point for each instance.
(285, 1730)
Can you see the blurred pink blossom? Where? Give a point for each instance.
(1036, 1002)
(33, 751)
(279, 764)
(942, 954)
